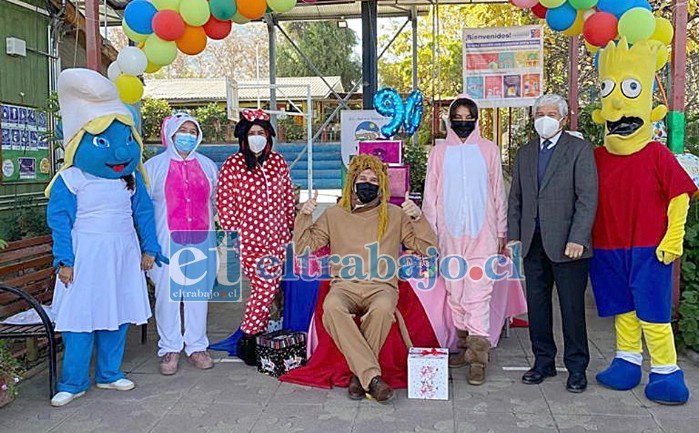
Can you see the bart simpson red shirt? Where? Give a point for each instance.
(635, 192)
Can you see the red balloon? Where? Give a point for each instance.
(217, 29)
(539, 11)
(600, 29)
(168, 25)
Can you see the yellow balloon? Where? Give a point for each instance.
(162, 5)
(664, 31)
(591, 48)
(136, 37)
(663, 57)
(577, 27)
(152, 68)
(130, 88)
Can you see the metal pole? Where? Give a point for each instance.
(676, 117)
(413, 20)
(369, 58)
(92, 35)
(272, 36)
(309, 132)
(574, 59)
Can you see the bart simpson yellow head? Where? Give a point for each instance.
(626, 75)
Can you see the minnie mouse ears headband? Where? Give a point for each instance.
(252, 115)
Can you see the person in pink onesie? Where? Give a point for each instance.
(465, 203)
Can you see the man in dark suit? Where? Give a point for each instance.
(552, 207)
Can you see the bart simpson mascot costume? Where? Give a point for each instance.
(638, 233)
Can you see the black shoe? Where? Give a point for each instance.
(536, 376)
(577, 383)
(246, 349)
(355, 390)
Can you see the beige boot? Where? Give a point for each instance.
(457, 360)
(477, 359)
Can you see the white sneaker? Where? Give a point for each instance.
(119, 385)
(63, 398)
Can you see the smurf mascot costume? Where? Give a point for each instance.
(94, 201)
(638, 233)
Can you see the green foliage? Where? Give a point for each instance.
(10, 370)
(153, 112)
(593, 132)
(688, 323)
(416, 157)
(292, 131)
(213, 120)
(330, 48)
(24, 221)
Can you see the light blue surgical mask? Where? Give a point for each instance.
(185, 142)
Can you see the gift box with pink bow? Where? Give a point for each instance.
(428, 373)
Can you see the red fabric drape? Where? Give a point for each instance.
(328, 367)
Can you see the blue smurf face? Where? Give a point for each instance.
(112, 154)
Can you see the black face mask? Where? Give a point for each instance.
(367, 192)
(463, 128)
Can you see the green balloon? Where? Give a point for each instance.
(195, 12)
(223, 10)
(550, 4)
(281, 6)
(583, 5)
(136, 37)
(160, 52)
(637, 24)
(239, 19)
(170, 5)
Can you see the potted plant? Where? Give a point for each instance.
(10, 373)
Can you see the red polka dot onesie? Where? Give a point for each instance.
(259, 205)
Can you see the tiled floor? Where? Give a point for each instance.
(235, 398)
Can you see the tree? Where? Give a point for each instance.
(153, 112)
(330, 48)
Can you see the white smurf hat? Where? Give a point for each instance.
(85, 95)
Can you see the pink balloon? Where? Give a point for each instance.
(525, 4)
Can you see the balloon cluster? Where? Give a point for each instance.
(162, 28)
(388, 103)
(603, 21)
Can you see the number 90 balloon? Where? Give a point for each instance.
(388, 103)
(413, 112)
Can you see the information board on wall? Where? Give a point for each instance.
(25, 150)
(503, 66)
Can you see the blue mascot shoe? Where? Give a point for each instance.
(667, 388)
(621, 375)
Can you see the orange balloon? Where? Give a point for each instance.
(251, 9)
(193, 41)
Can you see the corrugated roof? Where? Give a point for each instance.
(214, 89)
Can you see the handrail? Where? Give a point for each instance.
(48, 325)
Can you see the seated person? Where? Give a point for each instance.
(363, 221)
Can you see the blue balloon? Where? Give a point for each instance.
(642, 4)
(388, 103)
(413, 112)
(615, 7)
(139, 16)
(562, 17)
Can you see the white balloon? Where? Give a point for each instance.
(132, 61)
(113, 71)
(588, 13)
